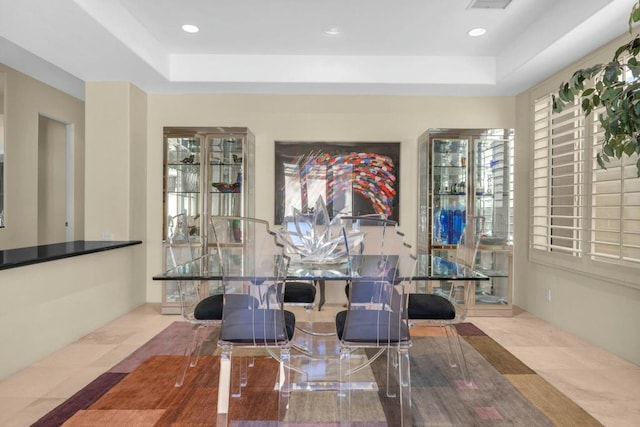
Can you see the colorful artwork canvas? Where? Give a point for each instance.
(353, 178)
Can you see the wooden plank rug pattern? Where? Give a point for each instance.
(140, 391)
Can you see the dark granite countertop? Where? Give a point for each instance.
(11, 258)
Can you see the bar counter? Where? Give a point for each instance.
(19, 257)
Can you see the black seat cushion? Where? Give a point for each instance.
(210, 308)
(430, 307)
(299, 292)
(371, 326)
(257, 326)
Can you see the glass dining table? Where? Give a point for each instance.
(319, 352)
(425, 268)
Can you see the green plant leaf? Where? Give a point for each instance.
(588, 92)
(635, 14)
(577, 80)
(566, 93)
(611, 72)
(629, 148)
(606, 149)
(619, 151)
(557, 104)
(635, 46)
(620, 50)
(600, 161)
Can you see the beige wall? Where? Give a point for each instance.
(26, 100)
(108, 158)
(52, 181)
(310, 118)
(116, 183)
(599, 309)
(52, 304)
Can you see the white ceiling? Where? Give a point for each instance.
(279, 46)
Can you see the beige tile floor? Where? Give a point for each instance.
(603, 384)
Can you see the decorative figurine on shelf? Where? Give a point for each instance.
(225, 187)
(192, 224)
(188, 159)
(236, 230)
(236, 158)
(238, 184)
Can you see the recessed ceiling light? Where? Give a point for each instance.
(475, 32)
(333, 31)
(190, 28)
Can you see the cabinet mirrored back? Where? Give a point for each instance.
(2, 134)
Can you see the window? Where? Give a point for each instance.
(615, 210)
(558, 179)
(579, 211)
(511, 187)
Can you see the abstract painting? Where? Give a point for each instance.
(353, 178)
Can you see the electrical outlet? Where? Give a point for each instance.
(547, 295)
(107, 235)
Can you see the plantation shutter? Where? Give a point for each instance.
(615, 212)
(557, 178)
(511, 187)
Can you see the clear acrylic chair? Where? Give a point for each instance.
(253, 315)
(446, 305)
(197, 306)
(179, 244)
(376, 316)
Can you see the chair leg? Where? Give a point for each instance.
(238, 375)
(284, 386)
(194, 345)
(244, 364)
(452, 351)
(224, 386)
(404, 387)
(392, 365)
(462, 362)
(344, 391)
(199, 340)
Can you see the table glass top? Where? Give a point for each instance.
(427, 267)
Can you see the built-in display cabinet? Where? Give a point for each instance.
(207, 171)
(466, 175)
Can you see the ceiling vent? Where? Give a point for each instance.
(488, 4)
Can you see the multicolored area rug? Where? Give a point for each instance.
(140, 391)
